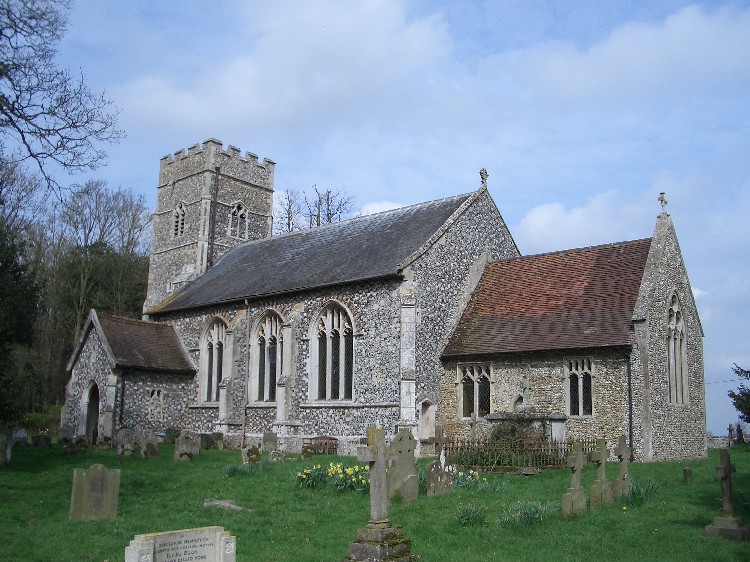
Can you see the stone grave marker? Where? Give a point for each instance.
(95, 493)
(41, 440)
(6, 446)
(20, 437)
(439, 476)
(186, 446)
(250, 455)
(270, 441)
(687, 475)
(276, 456)
(622, 451)
(379, 540)
(601, 489)
(126, 442)
(574, 501)
(727, 525)
(208, 544)
(403, 477)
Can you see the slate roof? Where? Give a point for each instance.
(573, 299)
(148, 346)
(368, 247)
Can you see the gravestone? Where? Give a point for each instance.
(20, 437)
(250, 455)
(6, 446)
(276, 456)
(208, 544)
(727, 525)
(403, 477)
(379, 540)
(601, 489)
(687, 475)
(731, 434)
(307, 451)
(95, 493)
(270, 441)
(186, 446)
(622, 451)
(574, 501)
(41, 440)
(439, 476)
(126, 442)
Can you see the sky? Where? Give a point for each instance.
(581, 111)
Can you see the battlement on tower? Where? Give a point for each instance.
(209, 155)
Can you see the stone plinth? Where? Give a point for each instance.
(380, 542)
(729, 528)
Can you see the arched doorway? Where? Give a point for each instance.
(92, 415)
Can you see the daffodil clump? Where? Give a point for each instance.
(336, 476)
(467, 478)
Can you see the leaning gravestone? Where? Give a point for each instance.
(601, 489)
(186, 446)
(379, 540)
(624, 479)
(574, 501)
(95, 493)
(209, 544)
(439, 476)
(727, 525)
(403, 477)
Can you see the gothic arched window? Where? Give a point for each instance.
(178, 220)
(270, 346)
(475, 390)
(212, 371)
(333, 367)
(676, 353)
(238, 222)
(580, 392)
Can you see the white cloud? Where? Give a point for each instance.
(698, 293)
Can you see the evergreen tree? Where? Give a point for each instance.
(741, 398)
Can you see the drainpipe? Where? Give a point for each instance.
(247, 373)
(630, 408)
(122, 396)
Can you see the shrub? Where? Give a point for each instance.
(241, 470)
(638, 491)
(171, 435)
(471, 514)
(526, 513)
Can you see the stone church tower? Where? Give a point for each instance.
(208, 201)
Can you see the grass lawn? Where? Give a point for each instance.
(285, 522)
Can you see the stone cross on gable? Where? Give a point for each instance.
(600, 458)
(724, 471)
(576, 461)
(376, 455)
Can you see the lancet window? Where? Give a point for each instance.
(270, 347)
(334, 364)
(676, 353)
(579, 376)
(474, 390)
(213, 360)
(238, 225)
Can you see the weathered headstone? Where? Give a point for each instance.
(403, 477)
(276, 456)
(208, 544)
(687, 475)
(95, 493)
(250, 455)
(20, 437)
(574, 501)
(727, 525)
(307, 451)
(126, 442)
(270, 441)
(601, 489)
(731, 434)
(6, 446)
(186, 446)
(379, 540)
(439, 479)
(41, 440)
(622, 451)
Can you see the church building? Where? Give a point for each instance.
(418, 317)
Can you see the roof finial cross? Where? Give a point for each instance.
(483, 175)
(663, 200)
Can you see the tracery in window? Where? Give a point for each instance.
(578, 374)
(155, 404)
(334, 367)
(238, 224)
(475, 391)
(178, 220)
(269, 357)
(213, 364)
(676, 353)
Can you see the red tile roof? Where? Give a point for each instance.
(145, 345)
(572, 299)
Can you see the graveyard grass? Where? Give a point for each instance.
(283, 521)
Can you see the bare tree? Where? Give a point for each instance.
(47, 115)
(328, 206)
(289, 215)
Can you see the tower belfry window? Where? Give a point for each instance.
(178, 218)
(238, 225)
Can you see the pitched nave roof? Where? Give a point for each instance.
(359, 249)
